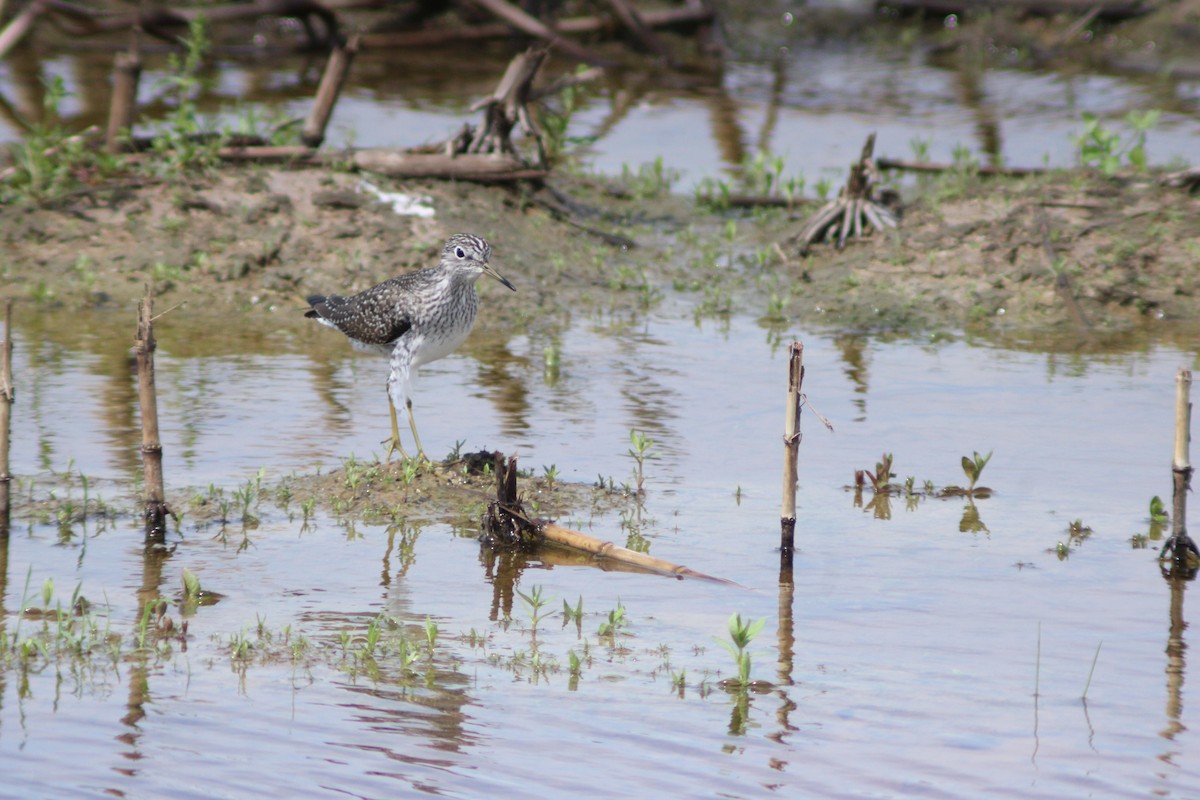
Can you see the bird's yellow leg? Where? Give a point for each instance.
(394, 443)
(412, 424)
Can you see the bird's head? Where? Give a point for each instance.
(469, 255)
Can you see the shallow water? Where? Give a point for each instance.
(809, 99)
(918, 647)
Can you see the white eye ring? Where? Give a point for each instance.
(458, 251)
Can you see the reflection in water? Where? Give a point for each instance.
(1176, 661)
(854, 353)
(154, 556)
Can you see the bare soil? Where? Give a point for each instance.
(1062, 251)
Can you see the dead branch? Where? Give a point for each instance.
(931, 166)
(1108, 9)
(159, 20)
(20, 25)
(632, 21)
(328, 92)
(681, 20)
(530, 26)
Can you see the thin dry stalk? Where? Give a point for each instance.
(154, 503)
(328, 92)
(7, 395)
(791, 453)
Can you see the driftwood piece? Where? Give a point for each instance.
(505, 523)
(1106, 9)
(122, 110)
(330, 88)
(470, 167)
(854, 211)
(158, 20)
(503, 109)
(932, 166)
(20, 25)
(642, 34)
(529, 25)
(681, 20)
(1184, 179)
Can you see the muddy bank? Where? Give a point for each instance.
(1036, 254)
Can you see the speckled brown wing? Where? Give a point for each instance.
(376, 316)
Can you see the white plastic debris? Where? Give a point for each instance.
(406, 205)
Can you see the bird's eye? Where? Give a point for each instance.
(458, 251)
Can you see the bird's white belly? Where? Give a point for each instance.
(431, 348)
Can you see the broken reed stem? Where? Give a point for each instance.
(1181, 466)
(328, 92)
(6, 400)
(791, 453)
(154, 502)
(576, 540)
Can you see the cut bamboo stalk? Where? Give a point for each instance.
(791, 454)
(1182, 465)
(7, 396)
(154, 504)
(1180, 545)
(127, 72)
(328, 92)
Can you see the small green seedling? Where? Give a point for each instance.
(1158, 512)
(973, 468)
(741, 633)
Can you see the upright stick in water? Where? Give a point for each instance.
(413, 318)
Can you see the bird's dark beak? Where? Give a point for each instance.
(487, 270)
